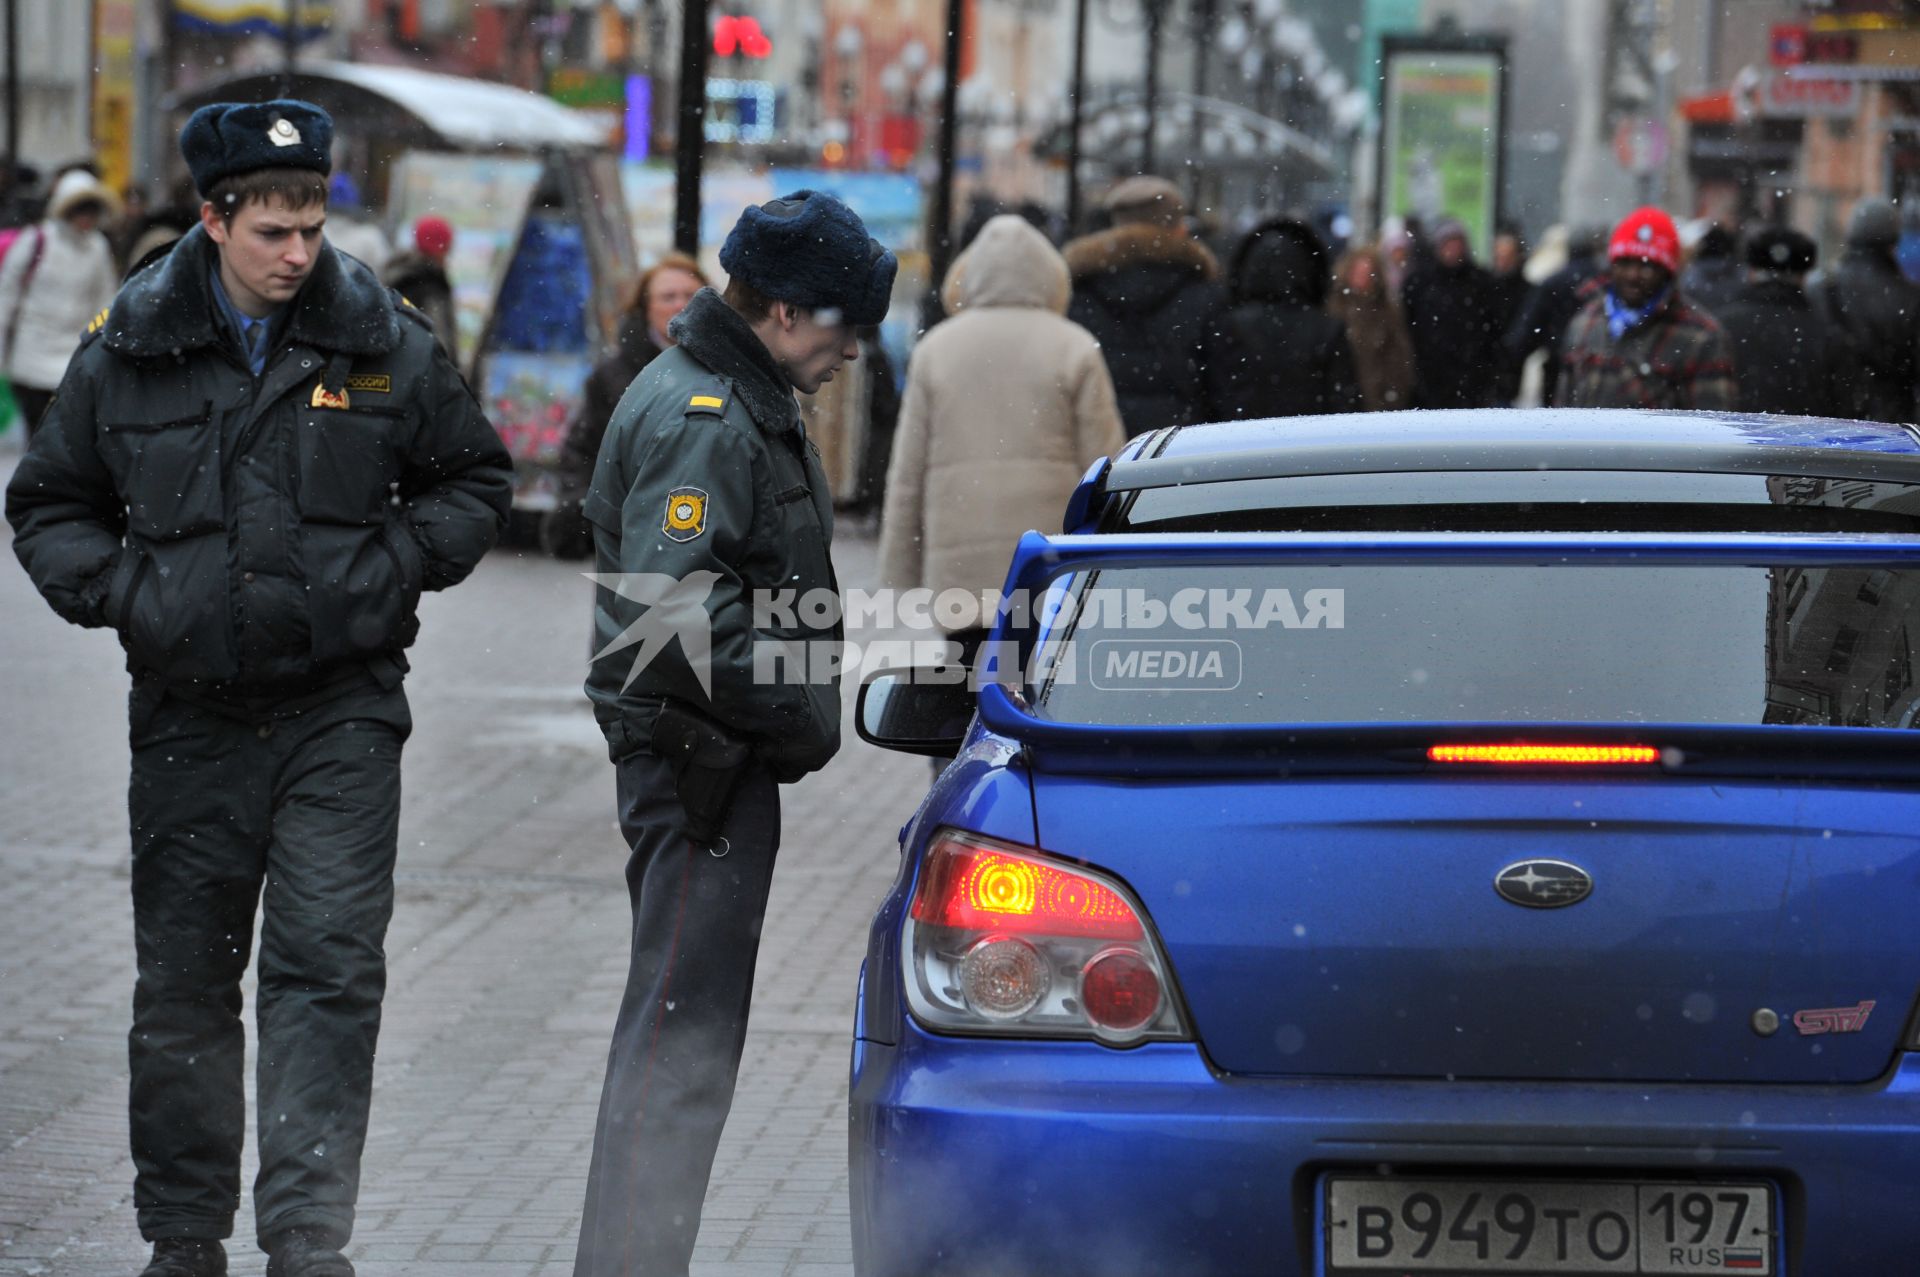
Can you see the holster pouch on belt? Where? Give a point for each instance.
(707, 761)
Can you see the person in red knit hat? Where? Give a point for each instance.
(1639, 342)
(420, 276)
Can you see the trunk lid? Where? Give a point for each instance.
(1351, 926)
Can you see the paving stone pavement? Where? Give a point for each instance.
(507, 956)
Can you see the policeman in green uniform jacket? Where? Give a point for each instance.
(715, 678)
(256, 463)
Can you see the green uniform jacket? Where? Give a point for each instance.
(712, 524)
(257, 536)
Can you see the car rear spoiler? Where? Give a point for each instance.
(1759, 751)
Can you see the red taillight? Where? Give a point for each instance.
(1120, 990)
(1561, 755)
(988, 888)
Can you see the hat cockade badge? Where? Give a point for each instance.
(283, 133)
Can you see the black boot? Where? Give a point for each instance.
(186, 1257)
(305, 1252)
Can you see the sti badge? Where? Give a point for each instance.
(686, 514)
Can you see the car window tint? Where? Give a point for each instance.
(1484, 643)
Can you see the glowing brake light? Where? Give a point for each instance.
(1563, 755)
(985, 888)
(1002, 938)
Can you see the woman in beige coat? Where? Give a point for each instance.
(1007, 404)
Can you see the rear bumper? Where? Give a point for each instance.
(981, 1156)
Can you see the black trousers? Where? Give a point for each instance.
(296, 815)
(682, 1022)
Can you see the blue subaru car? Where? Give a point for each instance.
(1436, 843)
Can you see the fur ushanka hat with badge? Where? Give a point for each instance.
(225, 139)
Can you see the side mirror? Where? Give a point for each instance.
(916, 710)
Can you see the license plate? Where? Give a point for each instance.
(1564, 1228)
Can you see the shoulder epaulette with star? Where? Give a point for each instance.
(99, 320)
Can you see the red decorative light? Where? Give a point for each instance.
(733, 35)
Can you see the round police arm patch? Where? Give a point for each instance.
(686, 516)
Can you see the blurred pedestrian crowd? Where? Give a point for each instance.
(1148, 320)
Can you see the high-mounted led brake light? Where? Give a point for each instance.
(987, 888)
(1560, 755)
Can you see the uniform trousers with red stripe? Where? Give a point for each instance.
(682, 1023)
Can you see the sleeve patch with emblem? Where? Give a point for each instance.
(686, 514)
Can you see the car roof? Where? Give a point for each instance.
(1519, 439)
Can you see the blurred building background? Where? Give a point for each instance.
(1738, 110)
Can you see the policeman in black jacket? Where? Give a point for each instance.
(258, 460)
(718, 637)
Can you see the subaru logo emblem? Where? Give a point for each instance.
(1543, 884)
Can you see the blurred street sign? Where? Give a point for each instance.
(114, 95)
(1640, 144)
(1831, 46)
(1443, 131)
(1793, 97)
(588, 89)
(1787, 44)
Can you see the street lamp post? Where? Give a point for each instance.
(7, 182)
(1203, 15)
(290, 47)
(1156, 17)
(691, 136)
(1076, 94)
(941, 249)
(847, 45)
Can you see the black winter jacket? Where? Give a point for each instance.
(1873, 304)
(1542, 321)
(1148, 296)
(257, 536)
(1786, 358)
(1713, 282)
(1282, 354)
(1453, 318)
(605, 384)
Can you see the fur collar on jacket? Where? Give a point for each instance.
(716, 336)
(1111, 251)
(169, 306)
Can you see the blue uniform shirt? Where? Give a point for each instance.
(254, 335)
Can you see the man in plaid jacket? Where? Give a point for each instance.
(1638, 342)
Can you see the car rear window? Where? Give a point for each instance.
(1493, 643)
